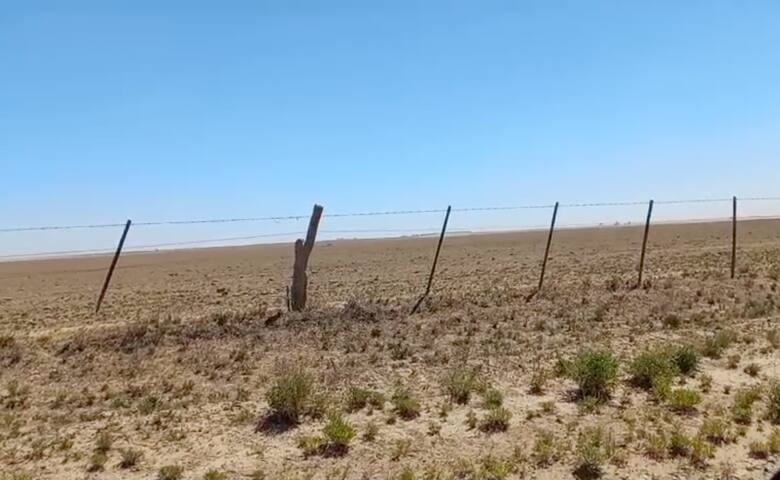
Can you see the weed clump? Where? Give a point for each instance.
(170, 472)
(460, 383)
(496, 420)
(773, 403)
(358, 398)
(289, 394)
(594, 447)
(339, 433)
(742, 408)
(683, 400)
(405, 405)
(595, 372)
(129, 458)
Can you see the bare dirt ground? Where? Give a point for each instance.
(177, 368)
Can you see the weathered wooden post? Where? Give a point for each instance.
(302, 251)
(734, 236)
(644, 244)
(435, 260)
(112, 266)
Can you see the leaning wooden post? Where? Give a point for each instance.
(112, 266)
(435, 260)
(547, 248)
(302, 251)
(733, 236)
(644, 244)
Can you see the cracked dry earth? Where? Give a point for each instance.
(172, 379)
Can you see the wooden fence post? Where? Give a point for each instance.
(734, 236)
(547, 248)
(112, 266)
(644, 244)
(435, 260)
(302, 252)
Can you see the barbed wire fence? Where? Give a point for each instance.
(373, 232)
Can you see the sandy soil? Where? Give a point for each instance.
(178, 363)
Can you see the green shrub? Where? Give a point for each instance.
(103, 442)
(371, 431)
(742, 408)
(492, 398)
(289, 394)
(358, 398)
(715, 345)
(773, 403)
(311, 444)
(459, 383)
(405, 405)
(679, 443)
(758, 449)
(97, 462)
(650, 366)
(170, 472)
(715, 431)
(129, 458)
(496, 420)
(594, 447)
(538, 379)
(545, 451)
(685, 358)
(339, 432)
(595, 372)
(683, 400)
(214, 475)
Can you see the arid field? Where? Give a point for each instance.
(195, 370)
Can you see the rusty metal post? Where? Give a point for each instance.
(734, 236)
(112, 266)
(435, 260)
(547, 248)
(644, 244)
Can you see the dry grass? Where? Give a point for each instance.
(192, 370)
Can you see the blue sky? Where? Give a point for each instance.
(166, 110)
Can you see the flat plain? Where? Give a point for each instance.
(194, 369)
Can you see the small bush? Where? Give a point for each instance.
(715, 345)
(103, 442)
(538, 379)
(685, 358)
(289, 395)
(401, 448)
(595, 372)
(405, 405)
(492, 398)
(129, 458)
(752, 369)
(594, 447)
(339, 432)
(773, 403)
(170, 472)
(758, 449)
(460, 383)
(700, 451)
(545, 451)
(683, 400)
(650, 366)
(679, 444)
(742, 408)
(715, 431)
(773, 337)
(311, 444)
(358, 398)
(496, 420)
(371, 432)
(97, 461)
(214, 475)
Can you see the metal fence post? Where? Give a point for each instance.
(435, 260)
(112, 266)
(644, 244)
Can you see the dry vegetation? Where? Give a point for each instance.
(193, 371)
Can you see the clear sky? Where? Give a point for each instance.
(156, 110)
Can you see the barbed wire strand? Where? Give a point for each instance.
(371, 214)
